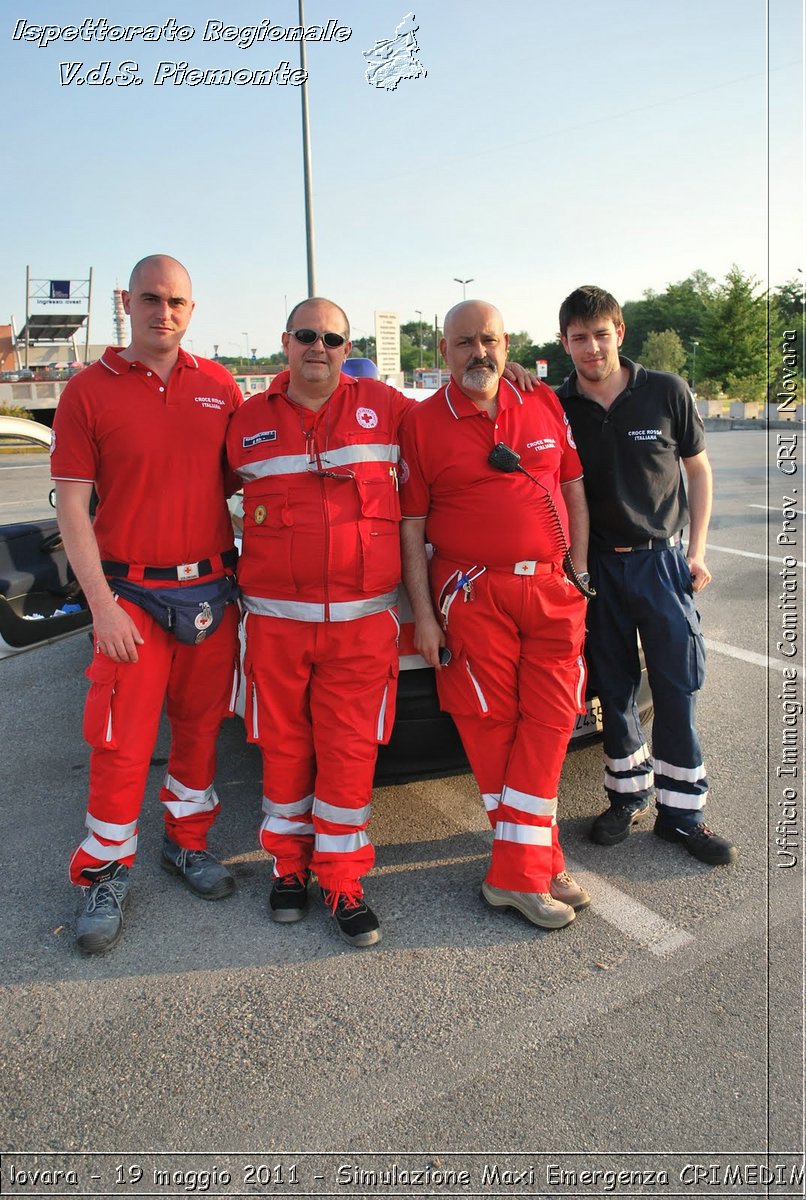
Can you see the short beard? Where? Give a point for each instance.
(479, 379)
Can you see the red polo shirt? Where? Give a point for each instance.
(155, 453)
(475, 513)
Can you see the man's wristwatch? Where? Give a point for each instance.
(584, 577)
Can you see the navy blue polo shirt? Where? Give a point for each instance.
(631, 455)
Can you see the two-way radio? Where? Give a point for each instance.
(505, 459)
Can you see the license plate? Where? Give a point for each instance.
(591, 720)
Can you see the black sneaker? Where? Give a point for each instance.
(613, 825)
(101, 923)
(701, 842)
(204, 874)
(288, 898)
(357, 923)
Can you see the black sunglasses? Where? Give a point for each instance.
(307, 337)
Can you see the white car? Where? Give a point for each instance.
(40, 600)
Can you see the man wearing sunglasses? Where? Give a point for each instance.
(318, 456)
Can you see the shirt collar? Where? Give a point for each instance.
(114, 361)
(637, 377)
(279, 385)
(461, 405)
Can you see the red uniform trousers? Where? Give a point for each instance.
(121, 718)
(320, 697)
(515, 682)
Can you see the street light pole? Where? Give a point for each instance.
(306, 158)
(464, 283)
(694, 346)
(420, 334)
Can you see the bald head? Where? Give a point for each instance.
(472, 311)
(314, 367)
(159, 304)
(161, 264)
(474, 346)
(299, 315)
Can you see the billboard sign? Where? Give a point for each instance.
(387, 343)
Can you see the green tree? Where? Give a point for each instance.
(419, 331)
(787, 303)
(364, 347)
(734, 342)
(663, 351)
(681, 307)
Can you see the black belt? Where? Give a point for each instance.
(652, 544)
(195, 570)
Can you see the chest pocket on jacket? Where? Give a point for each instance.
(268, 519)
(380, 533)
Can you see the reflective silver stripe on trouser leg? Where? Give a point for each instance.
(189, 801)
(338, 814)
(525, 835)
(622, 774)
(673, 797)
(278, 819)
(123, 839)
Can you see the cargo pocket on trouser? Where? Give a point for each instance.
(459, 688)
(99, 728)
(696, 656)
(251, 708)
(388, 705)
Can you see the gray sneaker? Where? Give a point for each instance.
(538, 907)
(203, 874)
(101, 923)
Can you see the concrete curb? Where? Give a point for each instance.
(722, 424)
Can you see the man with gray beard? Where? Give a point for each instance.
(497, 596)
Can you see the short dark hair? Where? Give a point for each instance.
(589, 303)
(289, 325)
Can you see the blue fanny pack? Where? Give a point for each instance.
(190, 613)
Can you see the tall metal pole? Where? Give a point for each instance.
(420, 334)
(27, 311)
(306, 159)
(89, 314)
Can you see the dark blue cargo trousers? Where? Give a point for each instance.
(647, 594)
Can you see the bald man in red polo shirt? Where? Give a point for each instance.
(498, 597)
(146, 427)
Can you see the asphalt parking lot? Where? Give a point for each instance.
(662, 1030)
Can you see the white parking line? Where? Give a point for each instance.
(748, 656)
(629, 916)
(772, 508)
(19, 504)
(743, 553)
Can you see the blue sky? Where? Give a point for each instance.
(550, 144)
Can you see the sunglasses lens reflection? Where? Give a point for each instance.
(307, 337)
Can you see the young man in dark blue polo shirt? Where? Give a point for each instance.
(633, 428)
